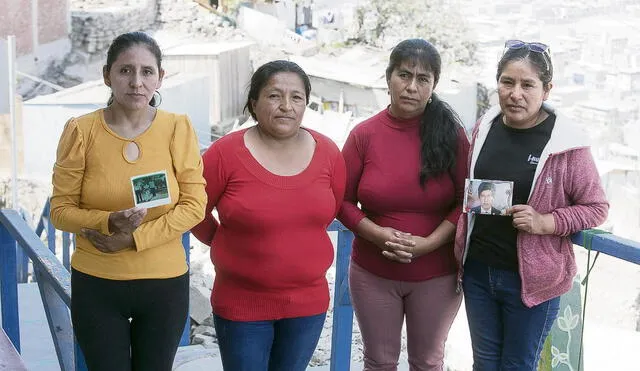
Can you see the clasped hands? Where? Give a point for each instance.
(400, 246)
(121, 224)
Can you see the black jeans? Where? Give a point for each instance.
(132, 325)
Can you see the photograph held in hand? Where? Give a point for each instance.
(487, 197)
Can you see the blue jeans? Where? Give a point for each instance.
(281, 345)
(505, 334)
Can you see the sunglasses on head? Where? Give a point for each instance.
(534, 46)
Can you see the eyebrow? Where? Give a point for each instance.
(428, 75)
(524, 80)
(133, 66)
(282, 91)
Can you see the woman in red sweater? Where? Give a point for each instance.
(406, 169)
(276, 187)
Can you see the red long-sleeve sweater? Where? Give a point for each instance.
(270, 248)
(382, 155)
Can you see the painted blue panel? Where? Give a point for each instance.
(9, 287)
(342, 312)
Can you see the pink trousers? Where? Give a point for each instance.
(381, 306)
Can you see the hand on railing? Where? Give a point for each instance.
(126, 221)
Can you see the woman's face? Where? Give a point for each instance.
(410, 87)
(134, 77)
(521, 93)
(281, 104)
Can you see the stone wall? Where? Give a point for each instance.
(95, 23)
(187, 17)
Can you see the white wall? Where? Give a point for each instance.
(43, 125)
(43, 122)
(462, 98)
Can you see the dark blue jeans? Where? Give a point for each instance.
(281, 345)
(505, 334)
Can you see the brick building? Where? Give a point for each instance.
(41, 28)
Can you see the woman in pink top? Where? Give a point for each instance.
(406, 169)
(517, 266)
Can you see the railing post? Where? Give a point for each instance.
(186, 332)
(9, 287)
(59, 322)
(66, 246)
(22, 257)
(22, 260)
(51, 235)
(342, 311)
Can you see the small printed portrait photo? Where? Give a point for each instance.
(151, 190)
(487, 197)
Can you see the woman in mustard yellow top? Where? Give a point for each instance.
(129, 277)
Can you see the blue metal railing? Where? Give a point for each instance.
(55, 287)
(342, 311)
(54, 283)
(44, 224)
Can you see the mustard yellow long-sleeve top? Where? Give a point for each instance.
(91, 178)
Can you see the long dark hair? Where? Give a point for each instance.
(264, 73)
(125, 41)
(440, 124)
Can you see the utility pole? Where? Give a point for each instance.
(11, 53)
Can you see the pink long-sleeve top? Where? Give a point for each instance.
(566, 184)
